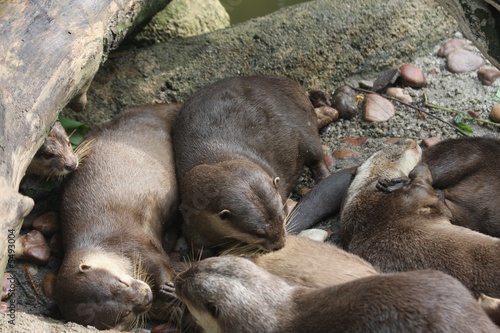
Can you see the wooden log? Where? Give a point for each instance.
(50, 51)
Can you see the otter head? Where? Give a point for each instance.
(55, 157)
(232, 294)
(233, 202)
(96, 288)
(393, 161)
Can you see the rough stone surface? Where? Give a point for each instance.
(488, 76)
(412, 76)
(183, 18)
(377, 108)
(461, 61)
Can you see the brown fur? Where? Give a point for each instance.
(231, 294)
(55, 157)
(410, 228)
(306, 262)
(240, 145)
(115, 209)
(466, 170)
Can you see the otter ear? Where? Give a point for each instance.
(225, 214)
(84, 268)
(276, 181)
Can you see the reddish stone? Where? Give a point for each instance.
(412, 76)
(377, 108)
(355, 141)
(346, 154)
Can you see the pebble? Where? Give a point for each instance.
(319, 98)
(386, 79)
(325, 115)
(355, 141)
(8, 280)
(488, 76)
(55, 245)
(377, 108)
(49, 284)
(346, 154)
(431, 141)
(33, 248)
(400, 94)
(4, 308)
(314, 234)
(495, 114)
(47, 223)
(412, 76)
(451, 45)
(345, 102)
(462, 61)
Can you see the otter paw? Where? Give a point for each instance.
(167, 291)
(391, 185)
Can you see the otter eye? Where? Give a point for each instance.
(214, 310)
(225, 214)
(46, 155)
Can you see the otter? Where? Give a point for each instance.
(400, 223)
(463, 170)
(466, 171)
(241, 144)
(232, 294)
(309, 263)
(55, 157)
(115, 208)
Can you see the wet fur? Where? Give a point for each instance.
(115, 209)
(466, 170)
(410, 228)
(232, 294)
(241, 145)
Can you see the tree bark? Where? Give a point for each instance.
(51, 51)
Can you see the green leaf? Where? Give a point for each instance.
(466, 128)
(75, 129)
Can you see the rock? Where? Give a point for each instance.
(346, 154)
(49, 284)
(314, 234)
(345, 102)
(184, 18)
(400, 94)
(55, 245)
(392, 140)
(47, 223)
(412, 76)
(386, 79)
(487, 76)
(8, 286)
(4, 308)
(32, 247)
(356, 141)
(326, 114)
(461, 61)
(377, 108)
(495, 114)
(329, 161)
(451, 45)
(431, 141)
(319, 98)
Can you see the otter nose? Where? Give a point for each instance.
(71, 166)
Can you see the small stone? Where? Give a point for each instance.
(495, 114)
(304, 190)
(462, 61)
(47, 223)
(49, 285)
(355, 141)
(385, 80)
(4, 308)
(314, 234)
(55, 245)
(451, 45)
(400, 94)
(8, 286)
(329, 161)
(488, 76)
(325, 115)
(33, 248)
(377, 108)
(346, 154)
(345, 102)
(319, 98)
(412, 76)
(431, 141)
(392, 140)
